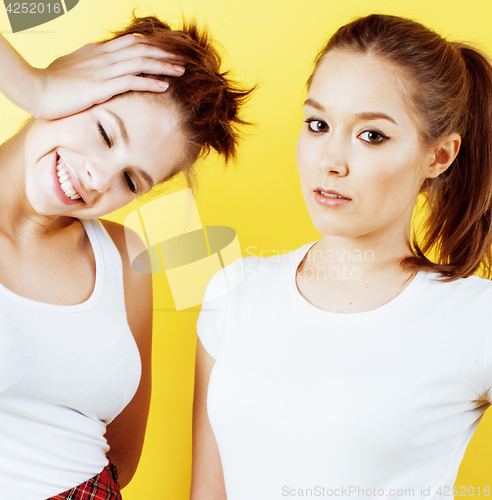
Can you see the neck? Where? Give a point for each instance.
(362, 258)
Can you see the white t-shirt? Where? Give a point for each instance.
(309, 403)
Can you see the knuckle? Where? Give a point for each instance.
(148, 48)
(143, 49)
(134, 38)
(128, 80)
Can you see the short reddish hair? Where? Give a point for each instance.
(207, 100)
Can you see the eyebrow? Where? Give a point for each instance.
(362, 116)
(126, 140)
(121, 126)
(145, 176)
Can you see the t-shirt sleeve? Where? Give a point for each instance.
(486, 376)
(210, 322)
(487, 371)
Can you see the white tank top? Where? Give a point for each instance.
(65, 373)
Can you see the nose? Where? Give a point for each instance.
(99, 175)
(333, 156)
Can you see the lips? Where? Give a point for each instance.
(330, 198)
(330, 193)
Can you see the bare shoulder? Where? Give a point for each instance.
(126, 241)
(117, 233)
(115, 230)
(138, 285)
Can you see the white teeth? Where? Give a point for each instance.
(331, 195)
(65, 183)
(66, 186)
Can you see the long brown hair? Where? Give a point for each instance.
(207, 99)
(450, 87)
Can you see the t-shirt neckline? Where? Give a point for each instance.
(302, 302)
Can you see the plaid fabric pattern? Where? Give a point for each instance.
(104, 486)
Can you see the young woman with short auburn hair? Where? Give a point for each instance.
(75, 318)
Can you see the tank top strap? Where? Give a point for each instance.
(111, 267)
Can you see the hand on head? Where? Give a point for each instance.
(98, 71)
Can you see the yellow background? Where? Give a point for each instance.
(271, 42)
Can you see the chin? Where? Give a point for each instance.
(40, 206)
(330, 231)
(339, 229)
(332, 227)
(43, 206)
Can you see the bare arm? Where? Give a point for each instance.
(17, 76)
(207, 478)
(88, 76)
(125, 434)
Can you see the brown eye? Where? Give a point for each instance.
(317, 125)
(373, 137)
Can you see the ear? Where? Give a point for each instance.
(442, 155)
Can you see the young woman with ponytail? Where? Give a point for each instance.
(360, 364)
(75, 318)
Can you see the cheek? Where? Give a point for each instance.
(45, 136)
(393, 183)
(396, 166)
(305, 158)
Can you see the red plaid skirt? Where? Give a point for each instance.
(104, 486)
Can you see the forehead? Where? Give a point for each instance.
(351, 82)
(154, 137)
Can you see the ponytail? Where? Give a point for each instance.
(459, 201)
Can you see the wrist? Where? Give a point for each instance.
(33, 103)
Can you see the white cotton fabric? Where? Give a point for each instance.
(381, 404)
(65, 372)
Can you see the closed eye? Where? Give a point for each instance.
(131, 185)
(103, 134)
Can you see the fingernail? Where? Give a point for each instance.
(163, 85)
(179, 69)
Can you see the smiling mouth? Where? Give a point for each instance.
(65, 183)
(331, 195)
